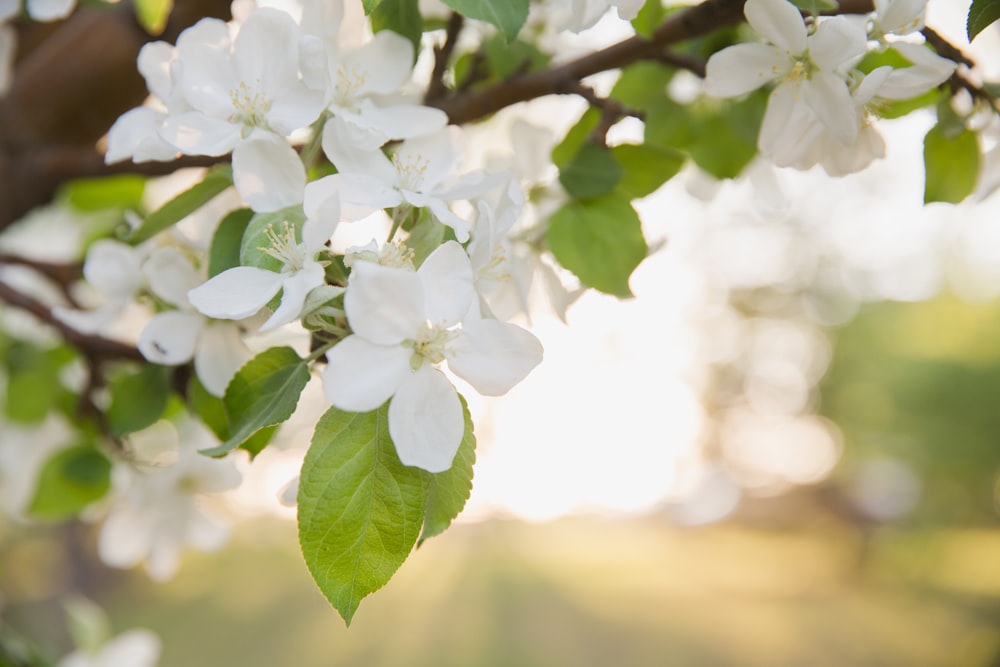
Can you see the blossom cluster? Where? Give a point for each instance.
(823, 106)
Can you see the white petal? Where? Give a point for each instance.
(268, 173)
(347, 157)
(125, 537)
(170, 337)
(436, 153)
(316, 231)
(219, 354)
(236, 293)
(738, 69)
(360, 376)
(425, 420)
(384, 305)
(265, 53)
(134, 648)
(789, 127)
(779, 22)
(836, 42)
(171, 275)
(294, 289)
(928, 70)
(113, 268)
(384, 63)
(50, 10)
(206, 79)
(194, 133)
(295, 107)
(493, 356)
(154, 65)
(447, 280)
(132, 129)
(830, 99)
(441, 212)
(403, 121)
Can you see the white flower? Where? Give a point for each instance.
(114, 269)
(421, 173)
(177, 336)
(156, 512)
(927, 71)
(897, 17)
(235, 89)
(807, 68)
(134, 648)
(241, 291)
(404, 324)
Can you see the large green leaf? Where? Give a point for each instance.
(69, 481)
(507, 15)
(600, 240)
(982, 13)
(592, 172)
(951, 163)
(449, 490)
(138, 399)
(263, 393)
(216, 180)
(359, 509)
(646, 167)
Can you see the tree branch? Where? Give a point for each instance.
(442, 55)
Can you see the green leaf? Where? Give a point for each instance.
(449, 490)
(600, 240)
(649, 18)
(359, 509)
(255, 243)
(646, 168)
(138, 399)
(69, 481)
(402, 17)
(982, 13)
(33, 385)
(123, 191)
(507, 15)
(576, 137)
(153, 14)
(227, 241)
(642, 84)
(507, 58)
(951, 163)
(212, 412)
(370, 5)
(592, 172)
(263, 393)
(216, 180)
(815, 7)
(424, 238)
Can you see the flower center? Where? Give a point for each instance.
(801, 70)
(250, 105)
(430, 344)
(410, 170)
(283, 247)
(346, 80)
(395, 254)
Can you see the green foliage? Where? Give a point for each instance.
(370, 5)
(575, 138)
(400, 16)
(33, 386)
(951, 162)
(507, 15)
(227, 241)
(646, 168)
(425, 237)
(982, 13)
(592, 172)
(69, 481)
(90, 195)
(153, 14)
(263, 393)
(212, 412)
(359, 509)
(815, 7)
(138, 399)
(649, 18)
(255, 237)
(217, 179)
(600, 240)
(449, 490)
(642, 85)
(507, 58)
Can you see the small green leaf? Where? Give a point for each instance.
(138, 399)
(370, 5)
(227, 241)
(600, 240)
(153, 14)
(643, 84)
(212, 412)
(576, 137)
(255, 243)
(424, 238)
(449, 490)
(592, 172)
(649, 18)
(69, 481)
(123, 191)
(216, 180)
(646, 168)
(982, 13)
(263, 393)
(402, 17)
(359, 509)
(951, 163)
(507, 15)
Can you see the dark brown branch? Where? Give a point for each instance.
(611, 110)
(683, 61)
(95, 348)
(442, 56)
(59, 273)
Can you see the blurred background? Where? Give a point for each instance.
(784, 451)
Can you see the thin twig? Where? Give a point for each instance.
(442, 55)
